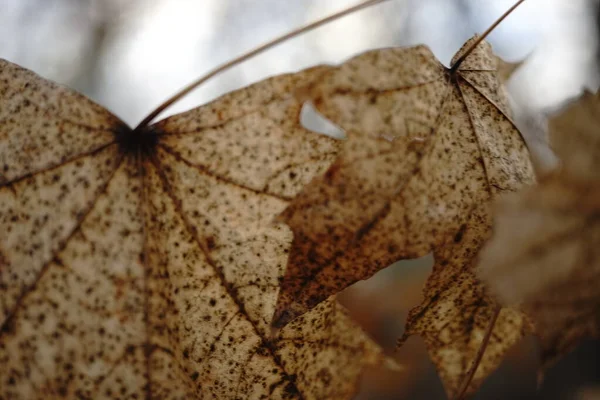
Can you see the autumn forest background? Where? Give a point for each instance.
(129, 55)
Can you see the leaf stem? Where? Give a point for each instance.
(252, 53)
(485, 34)
(486, 339)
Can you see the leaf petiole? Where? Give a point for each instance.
(223, 67)
(486, 339)
(485, 34)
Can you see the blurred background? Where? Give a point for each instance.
(130, 55)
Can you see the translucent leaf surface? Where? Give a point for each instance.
(427, 150)
(144, 264)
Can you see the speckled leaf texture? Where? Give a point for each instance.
(552, 232)
(427, 149)
(145, 264)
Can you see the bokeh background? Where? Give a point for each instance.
(130, 55)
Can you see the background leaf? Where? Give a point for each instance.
(552, 231)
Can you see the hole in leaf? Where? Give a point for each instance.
(314, 121)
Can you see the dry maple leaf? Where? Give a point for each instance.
(544, 254)
(427, 149)
(142, 263)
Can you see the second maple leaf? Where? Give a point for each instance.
(425, 145)
(427, 148)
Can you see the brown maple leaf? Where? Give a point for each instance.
(544, 254)
(427, 148)
(143, 263)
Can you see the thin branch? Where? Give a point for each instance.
(251, 54)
